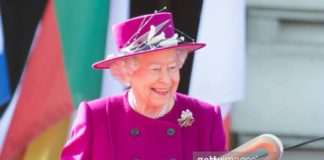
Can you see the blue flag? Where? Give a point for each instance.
(4, 81)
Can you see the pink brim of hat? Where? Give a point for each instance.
(189, 47)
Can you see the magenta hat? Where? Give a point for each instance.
(146, 34)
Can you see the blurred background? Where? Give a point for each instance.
(263, 64)
(284, 75)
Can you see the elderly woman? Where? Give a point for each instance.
(150, 120)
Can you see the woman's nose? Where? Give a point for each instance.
(165, 77)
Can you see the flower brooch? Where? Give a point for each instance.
(186, 119)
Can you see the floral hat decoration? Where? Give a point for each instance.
(146, 34)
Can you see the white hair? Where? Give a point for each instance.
(123, 68)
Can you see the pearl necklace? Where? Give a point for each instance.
(132, 102)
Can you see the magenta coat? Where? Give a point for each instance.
(109, 129)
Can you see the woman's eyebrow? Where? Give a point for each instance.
(169, 62)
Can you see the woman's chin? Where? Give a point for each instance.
(161, 98)
(161, 102)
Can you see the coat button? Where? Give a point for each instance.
(170, 132)
(134, 132)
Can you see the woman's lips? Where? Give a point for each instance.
(161, 91)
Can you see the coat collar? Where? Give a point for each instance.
(172, 115)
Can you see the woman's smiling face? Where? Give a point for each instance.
(157, 78)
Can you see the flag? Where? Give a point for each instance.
(223, 32)
(44, 97)
(4, 81)
(7, 117)
(119, 11)
(83, 29)
(49, 144)
(81, 32)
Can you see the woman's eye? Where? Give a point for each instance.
(156, 69)
(173, 67)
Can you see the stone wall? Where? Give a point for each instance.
(285, 72)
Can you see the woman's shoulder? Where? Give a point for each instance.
(192, 101)
(103, 102)
(200, 107)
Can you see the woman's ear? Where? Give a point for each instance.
(126, 80)
(127, 84)
(128, 76)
